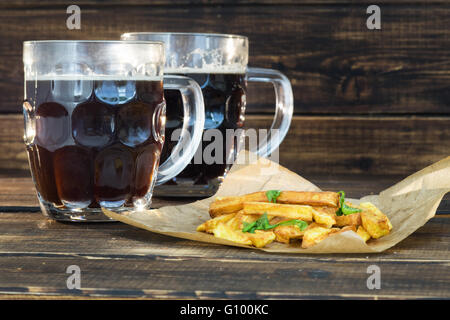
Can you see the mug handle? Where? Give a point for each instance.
(192, 130)
(284, 107)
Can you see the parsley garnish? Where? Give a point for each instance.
(343, 208)
(272, 195)
(263, 224)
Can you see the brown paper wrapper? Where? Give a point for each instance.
(409, 205)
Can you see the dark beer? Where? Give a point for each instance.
(224, 97)
(97, 142)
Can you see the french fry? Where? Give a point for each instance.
(347, 228)
(325, 198)
(325, 216)
(261, 238)
(230, 204)
(258, 239)
(316, 234)
(363, 233)
(291, 211)
(224, 231)
(225, 205)
(353, 219)
(318, 208)
(375, 222)
(286, 233)
(236, 223)
(210, 225)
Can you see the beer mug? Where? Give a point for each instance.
(94, 116)
(218, 63)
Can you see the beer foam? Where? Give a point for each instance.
(68, 77)
(218, 60)
(209, 69)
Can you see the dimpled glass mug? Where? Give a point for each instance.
(218, 62)
(94, 116)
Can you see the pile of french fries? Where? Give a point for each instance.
(258, 219)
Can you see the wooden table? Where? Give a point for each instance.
(120, 261)
(371, 107)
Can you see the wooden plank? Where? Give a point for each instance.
(18, 194)
(32, 234)
(120, 261)
(360, 145)
(154, 276)
(198, 278)
(328, 146)
(24, 4)
(163, 279)
(335, 64)
(13, 156)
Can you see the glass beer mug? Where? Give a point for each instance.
(218, 63)
(95, 125)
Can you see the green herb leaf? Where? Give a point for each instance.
(249, 227)
(344, 209)
(264, 224)
(272, 195)
(299, 223)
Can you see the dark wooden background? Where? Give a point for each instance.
(369, 103)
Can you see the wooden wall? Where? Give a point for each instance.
(366, 102)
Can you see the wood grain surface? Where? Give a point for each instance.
(118, 260)
(336, 65)
(330, 145)
(18, 194)
(121, 261)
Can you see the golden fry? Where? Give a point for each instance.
(258, 239)
(291, 211)
(316, 234)
(318, 208)
(286, 233)
(261, 238)
(375, 222)
(325, 198)
(363, 233)
(344, 229)
(225, 205)
(353, 219)
(210, 225)
(237, 222)
(224, 231)
(230, 204)
(325, 216)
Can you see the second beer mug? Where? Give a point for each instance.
(218, 63)
(94, 125)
